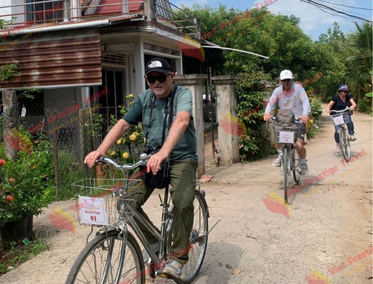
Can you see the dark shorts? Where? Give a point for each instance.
(301, 130)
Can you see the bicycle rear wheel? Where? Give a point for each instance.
(285, 172)
(106, 259)
(295, 165)
(198, 240)
(345, 144)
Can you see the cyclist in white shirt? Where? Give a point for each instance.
(292, 97)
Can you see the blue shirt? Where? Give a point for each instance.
(339, 104)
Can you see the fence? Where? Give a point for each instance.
(73, 131)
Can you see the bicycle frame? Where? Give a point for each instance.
(289, 147)
(113, 239)
(166, 215)
(344, 142)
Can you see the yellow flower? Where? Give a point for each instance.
(112, 153)
(123, 140)
(140, 127)
(119, 141)
(130, 98)
(311, 121)
(133, 136)
(125, 155)
(33, 167)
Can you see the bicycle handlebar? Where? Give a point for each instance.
(297, 119)
(340, 111)
(143, 161)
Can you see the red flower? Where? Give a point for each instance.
(11, 180)
(2, 162)
(10, 198)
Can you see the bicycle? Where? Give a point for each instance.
(286, 134)
(344, 141)
(102, 261)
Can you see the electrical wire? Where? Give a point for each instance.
(337, 4)
(320, 5)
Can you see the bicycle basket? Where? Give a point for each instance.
(338, 119)
(98, 202)
(286, 132)
(285, 129)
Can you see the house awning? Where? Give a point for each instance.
(55, 56)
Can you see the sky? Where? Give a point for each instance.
(313, 21)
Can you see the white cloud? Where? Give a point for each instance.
(311, 17)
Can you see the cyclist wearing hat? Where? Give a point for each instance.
(339, 102)
(292, 97)
(179, 143)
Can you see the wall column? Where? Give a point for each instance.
(226, 102)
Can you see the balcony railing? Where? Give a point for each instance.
(38, 12)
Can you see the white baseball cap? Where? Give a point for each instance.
(286, 74)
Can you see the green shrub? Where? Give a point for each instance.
(250, 111)
(70, 170)
(315, 117)
(365, 105)
(27, 183)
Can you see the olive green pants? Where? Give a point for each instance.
(183, 184)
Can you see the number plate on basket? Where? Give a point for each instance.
(286, 137)
(92, 210)
(338, 120)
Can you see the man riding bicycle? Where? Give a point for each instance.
(339, 102)
(179, 145)
(292, 97)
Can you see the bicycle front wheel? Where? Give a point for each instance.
(345, 144)
(285, 169)
(107, 259)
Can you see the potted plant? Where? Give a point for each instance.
(26, 186)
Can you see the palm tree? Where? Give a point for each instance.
(358, 58)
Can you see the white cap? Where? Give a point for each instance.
(286, 74)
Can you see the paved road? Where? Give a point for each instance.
(326, 227)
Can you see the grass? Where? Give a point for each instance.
(70, 170)
(19, 253)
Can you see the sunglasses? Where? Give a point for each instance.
(286, 80)
(161, 78)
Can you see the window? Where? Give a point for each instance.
(113, 80)
(34, 107)
(163, 9)
(42, 12)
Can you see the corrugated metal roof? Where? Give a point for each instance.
(58, 60)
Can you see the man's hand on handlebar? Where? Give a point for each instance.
(155, 161)
(91, 158)
(304, 118)
(267, 117)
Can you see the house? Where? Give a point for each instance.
(74, 49)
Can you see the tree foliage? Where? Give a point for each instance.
(358, 59)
